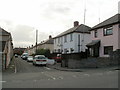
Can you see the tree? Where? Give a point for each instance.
(45, 52)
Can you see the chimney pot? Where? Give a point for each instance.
(76, 23)
(50, 37)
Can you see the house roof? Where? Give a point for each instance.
(80, 28)
(112, 20)
(3, 32)
(49, 41)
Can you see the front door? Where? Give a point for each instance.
(96, 51)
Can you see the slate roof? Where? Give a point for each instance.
(80, 28)
(49, 41)
(3, 32)
(112, 20)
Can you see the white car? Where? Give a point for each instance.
(30, 58)
(50, 61)
(40, 60)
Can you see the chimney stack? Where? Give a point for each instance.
(50, 36)
(76, 23)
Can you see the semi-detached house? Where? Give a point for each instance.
(105, 37)
(74, 40)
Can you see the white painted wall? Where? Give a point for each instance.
(72, 44)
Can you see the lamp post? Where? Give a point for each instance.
(36, 39)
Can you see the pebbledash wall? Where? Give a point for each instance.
(111, 40)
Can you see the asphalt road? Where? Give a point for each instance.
(29, 76)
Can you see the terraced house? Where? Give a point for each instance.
(105, 37)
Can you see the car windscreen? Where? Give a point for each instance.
(40, 57)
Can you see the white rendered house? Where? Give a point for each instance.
(73, 40)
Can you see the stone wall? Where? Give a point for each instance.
(115, 57)
(75, 61)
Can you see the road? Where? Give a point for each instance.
(29, 76)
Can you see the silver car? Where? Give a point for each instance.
(40, 60)
(30, 59)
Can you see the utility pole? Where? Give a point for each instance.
(82, 43)
(119, 7)
(36, 39)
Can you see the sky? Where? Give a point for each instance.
(50, 17)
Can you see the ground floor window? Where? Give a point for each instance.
(107, 49)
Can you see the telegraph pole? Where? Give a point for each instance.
(82, 44)
(36, 39)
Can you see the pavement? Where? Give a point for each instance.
(57, 66)
(11, 67)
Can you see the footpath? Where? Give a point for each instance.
(11, 67)
(57, 66)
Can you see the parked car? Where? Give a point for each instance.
(50, 61)
(58, 58)
(40, 60)
(24, 56)
(30, 59)
(16, 55)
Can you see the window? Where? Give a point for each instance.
(108, 31)
(71, 49)
(107, 49)
(55, 40)
(58, 40)
(65, 38)
(71, 37)
(96, 34)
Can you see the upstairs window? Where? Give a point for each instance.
(54, 40)
(65, 38)
(71, 37)
(58, 40)
(108, 31)
(95, 33)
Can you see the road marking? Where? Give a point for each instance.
(87, 75)
(3, 81)
(53, 78)
(74, 76)
(30, 63)
(109, 72)
(98, 74)
(47, 68)
(60, 77)
(34, 80)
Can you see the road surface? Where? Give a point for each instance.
(29, 76)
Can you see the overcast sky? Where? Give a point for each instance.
(50, 17)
